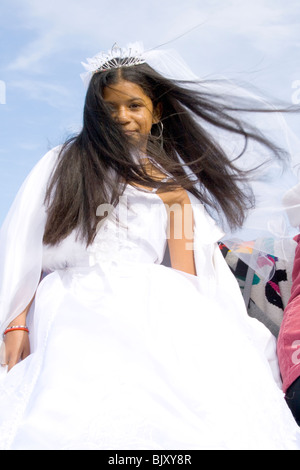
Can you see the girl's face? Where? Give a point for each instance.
(133, 109)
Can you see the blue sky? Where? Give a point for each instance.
(44, 43)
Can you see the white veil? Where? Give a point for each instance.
(21, 243)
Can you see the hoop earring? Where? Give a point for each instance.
(160, 136)
(161, 130)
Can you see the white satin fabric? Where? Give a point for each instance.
(128, 353)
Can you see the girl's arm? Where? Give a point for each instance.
(180, 224)
(180, 230)
(17, 346)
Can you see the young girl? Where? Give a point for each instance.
(124, 352)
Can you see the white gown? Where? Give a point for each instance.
(130, 354)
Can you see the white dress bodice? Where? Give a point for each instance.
(134, 232)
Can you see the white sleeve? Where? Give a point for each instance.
(21, 242)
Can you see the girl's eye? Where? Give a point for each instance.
(135, 105)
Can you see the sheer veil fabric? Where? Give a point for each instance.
(21, 242)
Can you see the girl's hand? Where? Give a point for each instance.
(17, 348)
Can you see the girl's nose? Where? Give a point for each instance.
(123, 115)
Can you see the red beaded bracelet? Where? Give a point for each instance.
(16, 328)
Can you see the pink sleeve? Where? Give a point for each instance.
(288, 347)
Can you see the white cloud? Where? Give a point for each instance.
(35, 52)
(270, 25)
(53, 95)
(264, 23)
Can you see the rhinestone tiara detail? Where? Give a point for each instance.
(115, 58)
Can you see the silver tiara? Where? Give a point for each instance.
(116, 58)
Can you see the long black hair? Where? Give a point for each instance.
(95, 165)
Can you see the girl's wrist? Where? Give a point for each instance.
(14, 328)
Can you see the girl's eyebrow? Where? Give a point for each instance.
(130, 100)
(137, 99)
